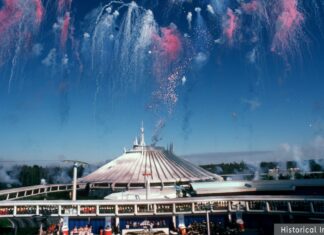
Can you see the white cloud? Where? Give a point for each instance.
(189, 19)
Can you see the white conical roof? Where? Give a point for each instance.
(160, 166)
(163, 166)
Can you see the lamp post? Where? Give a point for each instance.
(76, 164)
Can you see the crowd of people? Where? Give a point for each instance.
(219, 228)
(146, 224)
(53, 229)
(26, 210)
(56, 229)
(8, 210)
(88, 209)
(183, 207)
(124, 209)
(86, 230)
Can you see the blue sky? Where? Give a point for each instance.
(228, 102)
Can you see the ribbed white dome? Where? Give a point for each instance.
(163, 166)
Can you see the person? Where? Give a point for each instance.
(90, 230)
(74, 230)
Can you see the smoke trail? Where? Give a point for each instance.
(6, 177)
(20, 21)
(143, 45)
(50, 59)
(210, 9)
(15, 58)
(65, 30)
(189, 19)
(125, 43)
(160, 124)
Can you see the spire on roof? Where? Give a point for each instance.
(135, 141)
(142, 135)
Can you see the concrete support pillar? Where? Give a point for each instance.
(312, 210)
(208, 225)
(267, 207)
(174, 220)
(117, 221)
(75, 171)
(135, 209)
(230, 217)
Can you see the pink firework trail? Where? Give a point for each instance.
(169, 44)
(10, 14)
(251, 7)
(65, 29)
(167, 49)
(288, 26)
(230, 25)
(63, 5)
(39, 11)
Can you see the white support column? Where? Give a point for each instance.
(75, 171)
(247, 207)
(116, 209)
(174, 221)
(15, 211)
(97, 209)
(267, 207)
(289, 207)
(229, 217)
(230, 206)
(311, 205)
(207, 219)
(117, 223)
(37, 209)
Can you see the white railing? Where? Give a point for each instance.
(23, 192)
(307, 205)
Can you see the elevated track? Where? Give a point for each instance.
(30, 191)
(298, 205)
